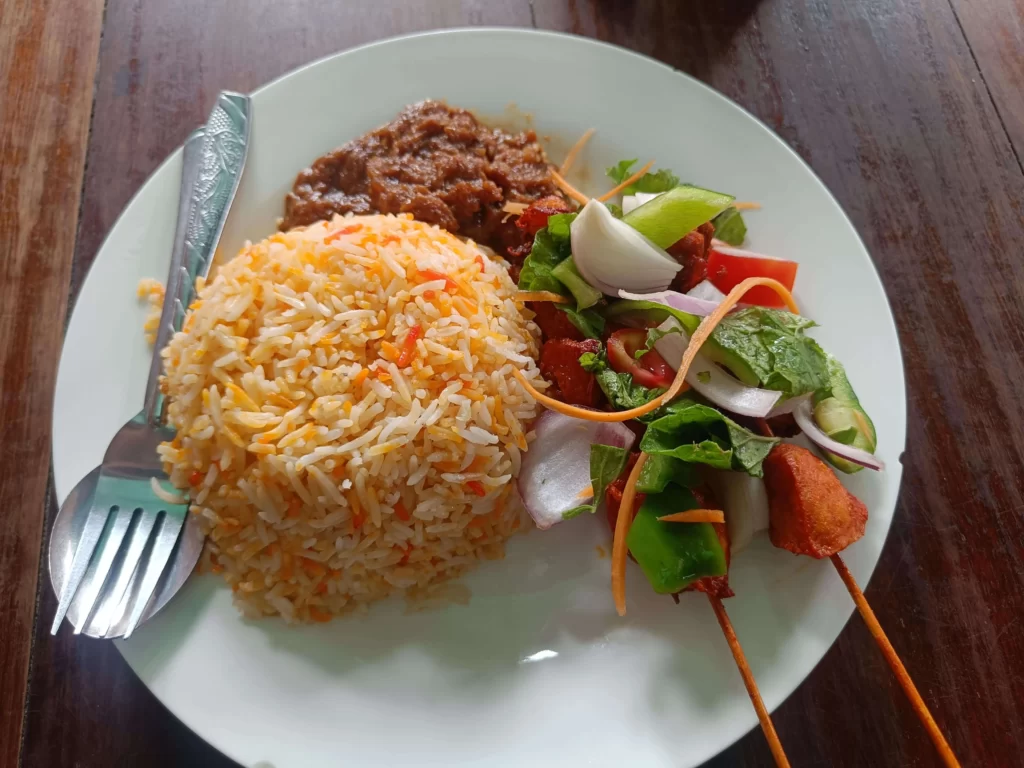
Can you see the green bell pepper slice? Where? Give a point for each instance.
(674, 555)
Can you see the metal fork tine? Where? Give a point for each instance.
(110, 543)
(133, 553)
(166, 536)
(94, 525)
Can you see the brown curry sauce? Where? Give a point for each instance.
(438, 163)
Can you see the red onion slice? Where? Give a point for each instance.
(786, 406)
(711, 380)
(803, 413)
(555, 473)
(675, 300)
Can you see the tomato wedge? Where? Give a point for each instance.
(650, 370)
(728, 267)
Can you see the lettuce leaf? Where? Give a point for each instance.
(653, 335)
(697, 433)
(620, 171)
(749, 450)
(589, 322)
(773, 344)
(659, 470)
(558, 228)
(593, 362)
(730, 227)
(659, 181)
(606, 464)
(623, 393)
(551, 247)
(544, 257)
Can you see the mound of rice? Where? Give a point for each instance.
(348, 425)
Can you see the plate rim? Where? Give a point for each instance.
(610, 48)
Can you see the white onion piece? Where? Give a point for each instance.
(632, 202)
(555, 473)
(803, 412)
(676, 300)
(706, 290)
(611, 255)
(711, 380)
(744, 500)
(723, 247)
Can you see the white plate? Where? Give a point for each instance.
(537, 669)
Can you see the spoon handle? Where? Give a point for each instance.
(212, 163)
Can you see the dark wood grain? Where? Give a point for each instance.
(885, 100)
(995, 32)
(48, 58)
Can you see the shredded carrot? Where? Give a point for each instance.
(390, 350)
(622, 523)
(405, 554)
(360, 377)
(586, 493)
(554, 298)
(476, 487)
(480, 462)
(195, 478)
(704, 330)
(467, 307)
(432, 274)
(401, 511)
(358, 516)
(480, 262)
(695, 516)
(631, 180)
(317, 615)
(409, 346)
(343, 231)
(746, 206)
(313, 569)
(514, 209)
(568, 188)
(570, 158)
(280, 400)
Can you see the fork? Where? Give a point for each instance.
(133, 522)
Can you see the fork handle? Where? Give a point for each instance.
(212, 162)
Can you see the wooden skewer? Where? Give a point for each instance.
(902, 676)
(748, 680)
(920, 708)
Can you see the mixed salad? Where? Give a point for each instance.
(677, 363)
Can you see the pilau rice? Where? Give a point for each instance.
(348, 425)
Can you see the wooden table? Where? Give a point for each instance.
(910, 110)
